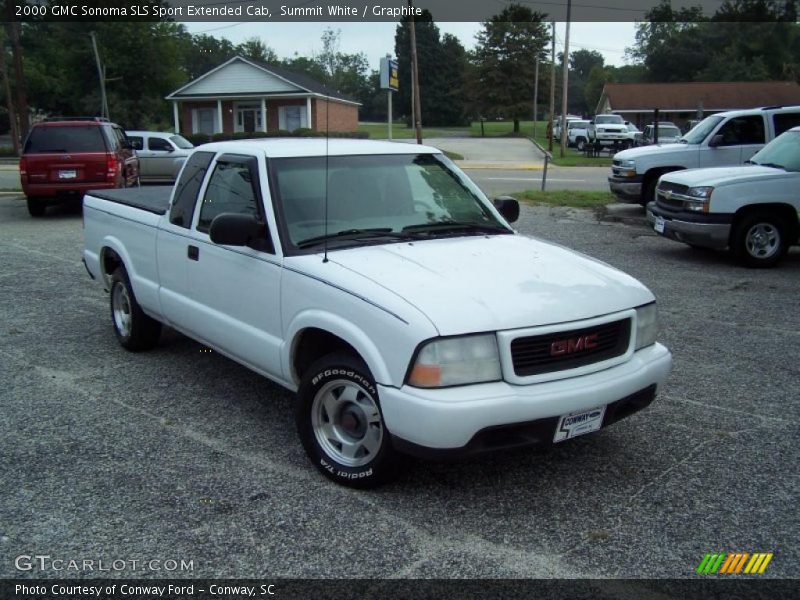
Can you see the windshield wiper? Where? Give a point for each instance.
(353, 234)
(773, 165)
(449, 226)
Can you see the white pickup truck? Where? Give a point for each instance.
(723, 139)
(379, 283)
(751, 209)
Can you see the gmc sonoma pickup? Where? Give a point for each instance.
(752, 209)
(378, 282)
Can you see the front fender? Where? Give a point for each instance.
(340, 327)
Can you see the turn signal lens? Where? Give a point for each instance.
(457, 361)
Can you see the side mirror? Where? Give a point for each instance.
(716, 141)
(508, 207)
(231, 229)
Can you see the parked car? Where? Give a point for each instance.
(690, 124)
(667, 134)
(557, 124)
(750, 209)
(64, 158)
(727, 138)
(608, 130)
(161, 155)
(577, 134)
(632, 135)
(379, 283)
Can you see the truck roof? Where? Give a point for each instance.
(291, 147)
(742, 112)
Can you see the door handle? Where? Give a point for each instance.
(193, 253)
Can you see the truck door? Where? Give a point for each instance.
(235, 291)
(741, 138)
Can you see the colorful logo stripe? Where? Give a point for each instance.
(733, 563)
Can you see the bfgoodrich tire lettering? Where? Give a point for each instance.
(133, 328)
(340, 424)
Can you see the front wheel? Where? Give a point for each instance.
(133, 328)
(581, 145)
(340, 424)
(759, 240)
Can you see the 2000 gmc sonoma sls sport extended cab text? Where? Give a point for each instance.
(379, 283)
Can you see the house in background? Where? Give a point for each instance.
(242, 95)
(679, 102)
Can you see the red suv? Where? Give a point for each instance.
(62, 159)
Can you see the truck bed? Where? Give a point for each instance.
(154, 198)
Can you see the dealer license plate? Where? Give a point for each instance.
(70, 174)
(659, 224)
(579, 423)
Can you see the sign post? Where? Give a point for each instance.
(389, 82)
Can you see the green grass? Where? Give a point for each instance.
(575, 199)
(453, 155)
(378, 131)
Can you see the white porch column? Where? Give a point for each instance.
(263, 115)
(176, 116)
(308, 112)
(219, 117)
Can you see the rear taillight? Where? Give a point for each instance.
(23, 167)
(113, 167)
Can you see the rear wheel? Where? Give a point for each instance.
(36, 207)
(759, 240)
(133, 328)
(340, 423)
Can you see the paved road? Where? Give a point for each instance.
(181, 454)
(496, 182)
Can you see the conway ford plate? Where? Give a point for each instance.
(68, 174)
(579, 423)
(659, 224)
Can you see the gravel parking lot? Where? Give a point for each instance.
(182, 454)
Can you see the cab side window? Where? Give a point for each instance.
(230, 190)
(136, 142)
(743, 130)
(785, 121)
(158, 144)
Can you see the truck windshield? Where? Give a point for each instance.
(181, 142)
(700, 131)
(782, 153)
(609, 119)
(391, 197)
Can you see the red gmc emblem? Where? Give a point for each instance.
(576, 344)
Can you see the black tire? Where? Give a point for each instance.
(36, 207)
(338, 414)
(133, 328)
(759, 239)
(649, 191)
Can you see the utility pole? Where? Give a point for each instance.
(101, 72)
(552, 89)
(13, 29)
(417, 112)
(12, 113)
(566, 81)
(535, 96)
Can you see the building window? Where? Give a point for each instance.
(292, 117)
(204, 120)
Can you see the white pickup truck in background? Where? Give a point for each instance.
(751, 209)
(723, 139)
(379, 283)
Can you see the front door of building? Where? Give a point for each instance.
(248, 118)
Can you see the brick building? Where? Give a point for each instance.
(242, 95)
(678, 102)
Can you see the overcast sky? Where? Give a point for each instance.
(377, 39)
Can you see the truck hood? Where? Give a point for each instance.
(660, 150)
(723, 175)
(490, 283)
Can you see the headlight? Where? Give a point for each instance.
(626, 168)
(456, 361)
(702, 195)
(646, 325)
(628, 164)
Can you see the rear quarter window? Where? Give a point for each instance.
(785, 121)
(68, 139)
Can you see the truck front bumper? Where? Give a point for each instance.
(627, 189)
(464, 420)
(708, 231)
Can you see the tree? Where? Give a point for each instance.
(506, 52)
(593, 88)
(255, 49)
